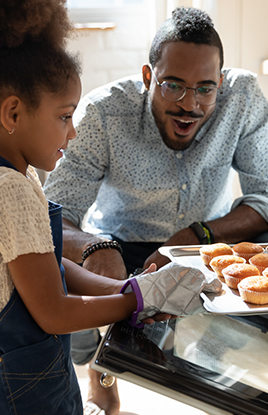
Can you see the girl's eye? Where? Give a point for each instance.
(66, 118)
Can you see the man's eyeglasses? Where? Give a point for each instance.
(174, 91)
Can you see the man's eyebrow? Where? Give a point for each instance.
(174, 78)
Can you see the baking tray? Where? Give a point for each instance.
(226, 302)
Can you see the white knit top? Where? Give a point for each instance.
(24, 223)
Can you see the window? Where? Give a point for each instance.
(82, 11)
(88, 4)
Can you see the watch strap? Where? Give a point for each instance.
(199, 231)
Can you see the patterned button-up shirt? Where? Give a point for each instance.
(140, 190)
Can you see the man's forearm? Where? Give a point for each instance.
(75, 241)
(242, 224)
(107, 262)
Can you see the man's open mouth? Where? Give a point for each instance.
(184, 126)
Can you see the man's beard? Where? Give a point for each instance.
(173, 143)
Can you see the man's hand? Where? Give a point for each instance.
(107, 262)
(157, 258)
(184, 237)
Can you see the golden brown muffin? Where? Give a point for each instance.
(265, 272)
(207, 252)
(220, 262)
(247, 250)
(254, 290)
(260, 261)
(235, 273)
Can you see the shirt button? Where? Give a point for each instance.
(184, 186)
(179, 155)
(181, 215)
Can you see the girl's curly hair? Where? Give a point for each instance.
(33, 36)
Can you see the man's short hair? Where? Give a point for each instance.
(186, 25)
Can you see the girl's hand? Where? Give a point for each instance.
(157, 317)
(119, 284)
(152, 268)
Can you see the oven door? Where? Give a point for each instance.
(215, 363)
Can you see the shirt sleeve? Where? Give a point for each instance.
(251, 155)
(24, 220)
(76, 180)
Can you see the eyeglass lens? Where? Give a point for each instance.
(173, 91)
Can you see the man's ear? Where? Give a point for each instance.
(146, 73)
(221, 79)
(9, 112)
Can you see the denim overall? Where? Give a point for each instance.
(36, 372)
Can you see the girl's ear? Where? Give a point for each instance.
(9, 113)
(146, 73)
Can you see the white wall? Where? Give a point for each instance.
(111, 54)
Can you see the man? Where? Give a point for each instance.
(154, 156)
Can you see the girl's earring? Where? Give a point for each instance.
(11, 131)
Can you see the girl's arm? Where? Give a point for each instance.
(38, 281)
(80, 281)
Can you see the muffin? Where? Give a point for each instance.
(235, 273)
(260, 261)
(247, 250)
(265, 272)
(220, 262)
(208, 252)
(254, 290)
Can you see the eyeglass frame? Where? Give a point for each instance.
(185, 90)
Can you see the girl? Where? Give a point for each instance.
(39, 91)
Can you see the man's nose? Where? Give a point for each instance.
(189, 101)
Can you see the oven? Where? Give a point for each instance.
(216, 361)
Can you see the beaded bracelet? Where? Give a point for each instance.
(101, 245)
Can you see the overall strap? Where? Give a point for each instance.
(6, 163)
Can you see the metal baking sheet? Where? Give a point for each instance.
(228, 301)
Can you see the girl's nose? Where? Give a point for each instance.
(72, 133)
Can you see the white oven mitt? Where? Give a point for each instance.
(173, 289)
